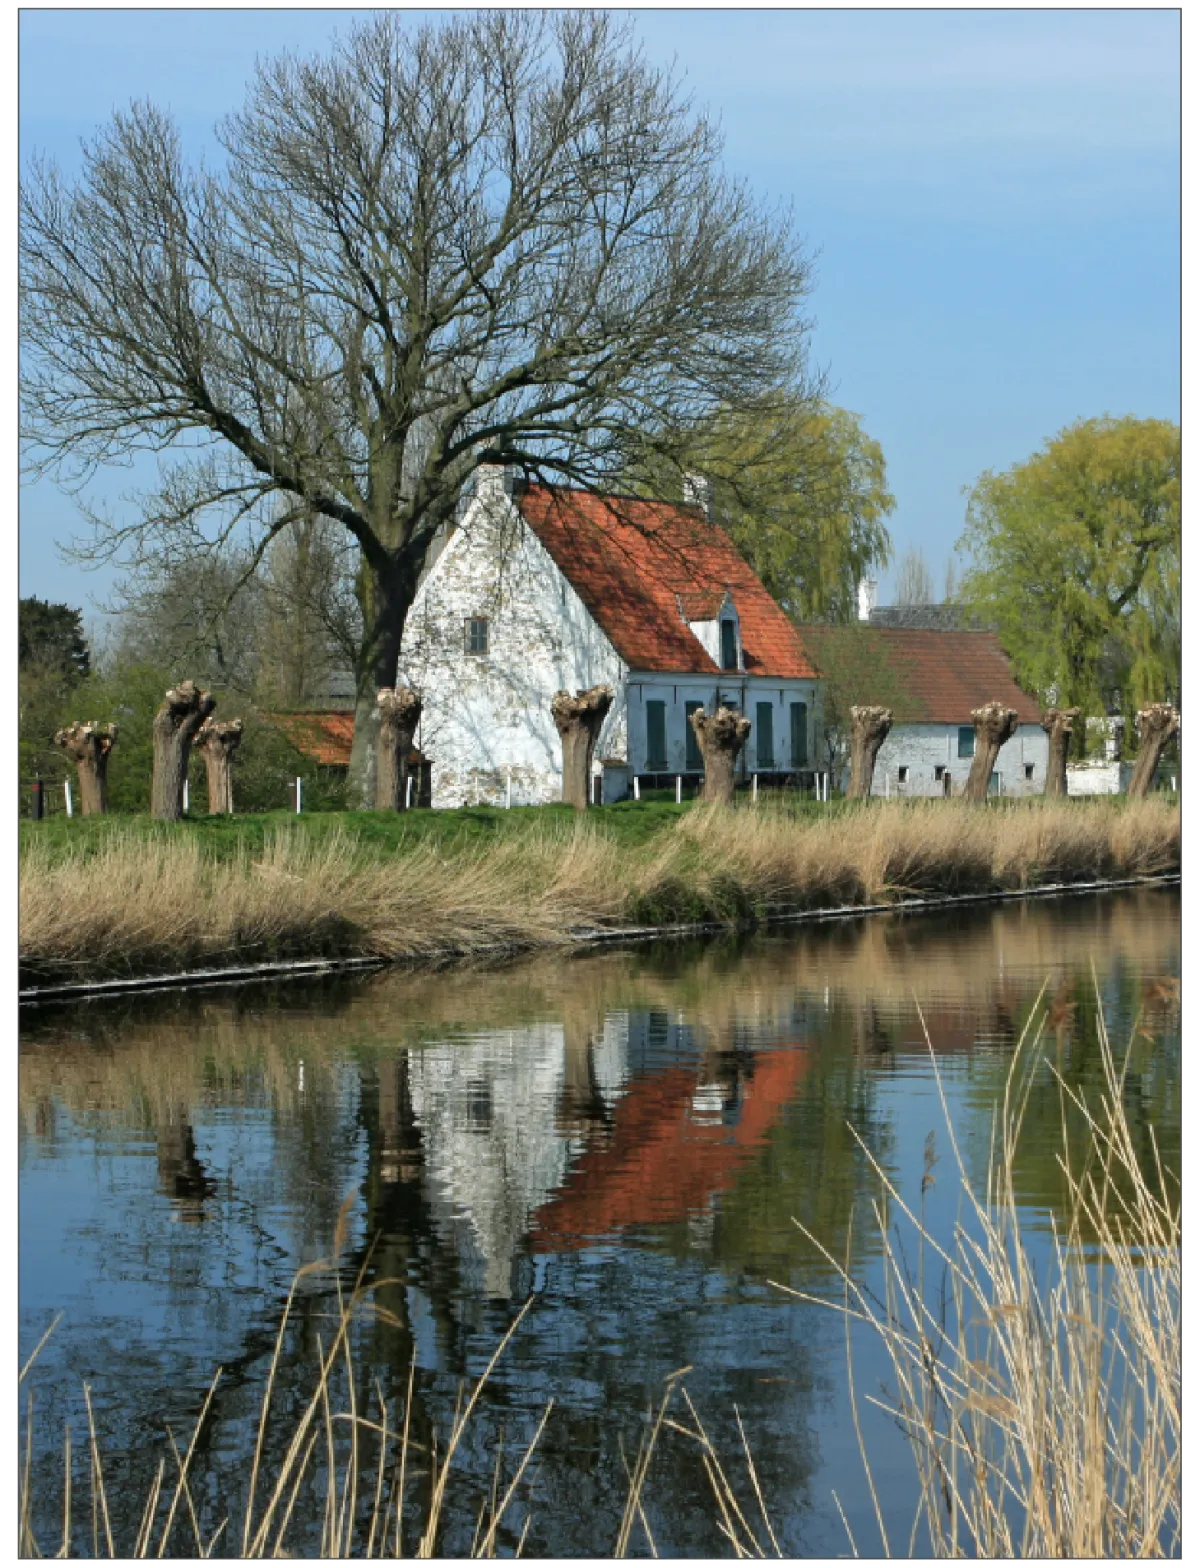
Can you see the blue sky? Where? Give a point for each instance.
(993, 197)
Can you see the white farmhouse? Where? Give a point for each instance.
(540, 589)
(932, 679)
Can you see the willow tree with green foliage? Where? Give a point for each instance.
(1075, 558)
(503, 234)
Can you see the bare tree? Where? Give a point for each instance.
(870, 726)
(88, 745)
(994, 725)
(1156, 725)
(183, 711)
(720, 736)
(914, 580)
(218, 739)
(1058, 723)
(578, 720)
(502, 235)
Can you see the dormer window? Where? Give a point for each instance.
(729, 648)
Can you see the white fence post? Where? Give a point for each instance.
(678, 790)
(67, 795)
(508, 792)
(299, 789)
(637, 793)
(185, 794)
(754, 788)
(408, 793)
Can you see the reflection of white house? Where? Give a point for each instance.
(539, 589)
(932, 679)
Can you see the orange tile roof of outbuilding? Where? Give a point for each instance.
(326, 737)
(628, 560)
(926, 677)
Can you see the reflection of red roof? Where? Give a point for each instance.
(930, 677)
(325, 737)
(628, 560)
(660, 1164)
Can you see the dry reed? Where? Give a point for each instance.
(151, 904)
(1043, 1415)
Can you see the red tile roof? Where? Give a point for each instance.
(325, 737)
(631, 561)
(925, 677)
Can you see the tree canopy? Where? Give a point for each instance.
(51, 636)
(501, 234)
(802, 489)
(1075, 558)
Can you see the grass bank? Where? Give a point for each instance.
(136, 897)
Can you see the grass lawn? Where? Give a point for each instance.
(386, 833)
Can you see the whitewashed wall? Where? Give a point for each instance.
(1098, 778)
(923, 748)
(486, 719)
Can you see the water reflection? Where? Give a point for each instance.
(628, 1136)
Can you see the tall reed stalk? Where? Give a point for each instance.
(1043, 1413)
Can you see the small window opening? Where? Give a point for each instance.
(902, 775)
(729, 658)
(1029, 770)
(938, 775)
(966, 740)
(477, 634)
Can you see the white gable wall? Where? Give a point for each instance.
(486, 719)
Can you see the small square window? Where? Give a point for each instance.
(902, 775)
(1029, 770)
(477, 634)
(938, 775)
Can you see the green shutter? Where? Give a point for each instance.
(799, 734)
(966, 740)
(656, 737)
(765, 735)
(693, 762)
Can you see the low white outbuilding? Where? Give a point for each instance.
(540, 589)
(932, 680)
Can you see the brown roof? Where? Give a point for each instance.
(632, 562)
(925, 677)
(325, 737)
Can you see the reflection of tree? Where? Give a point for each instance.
(182, 1176)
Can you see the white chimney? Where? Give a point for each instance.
(697, 491)
(867, 587)
(493, 482)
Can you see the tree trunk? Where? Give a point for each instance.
(385, 601)
(721, 736)
(869, 728)
(218, 741)
(399, 714)
(175, 725)
(994, 724)
(578, 720)
(1156, 725)
(89, 745)
(1058, 723)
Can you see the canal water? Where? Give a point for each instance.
(625, 1140)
